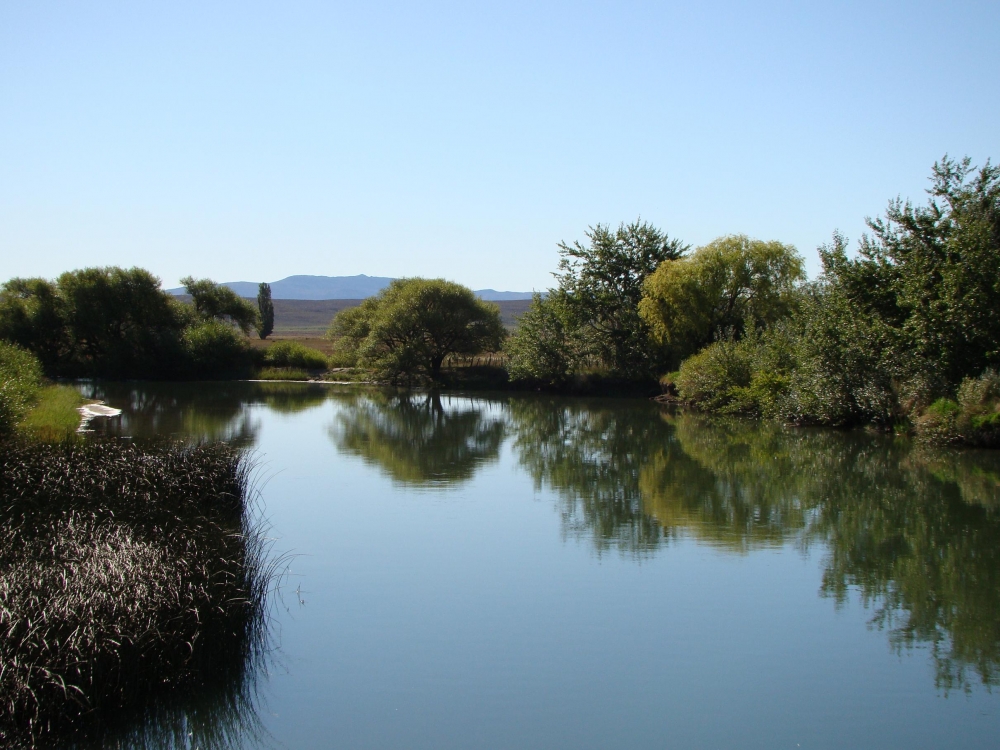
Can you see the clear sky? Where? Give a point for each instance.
(252, 141)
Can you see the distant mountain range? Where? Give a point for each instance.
(338, 287)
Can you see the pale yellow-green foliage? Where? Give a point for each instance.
(733, 284)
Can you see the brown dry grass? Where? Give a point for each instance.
(124, 572)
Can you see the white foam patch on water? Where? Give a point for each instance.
(89, 412)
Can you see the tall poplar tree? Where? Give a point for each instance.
(266, 307)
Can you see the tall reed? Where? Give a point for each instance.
(126, 572)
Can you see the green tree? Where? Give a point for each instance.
(541, 348)
(934, 273)
(215, 302)
(33, 316)
(732, 285)
(265, 310)
(413, 324)
(601, 284)
(119, 320)
(95, 321)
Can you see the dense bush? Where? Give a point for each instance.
(118, 323)
(111, 322)
(847, 368)
(294, 354)
(541, 349)
(20, 383)
(213, 348)
(973, 418)
(747, 376)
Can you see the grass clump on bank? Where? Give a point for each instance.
(282, 373)
(55, 415)
(125, 572)
(30, 407)
(290, 360)
(292, 354)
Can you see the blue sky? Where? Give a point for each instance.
(253, 141)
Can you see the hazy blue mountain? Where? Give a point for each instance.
(337, 287)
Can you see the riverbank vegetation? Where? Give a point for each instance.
(902, 335)
(118, 323)
(590, 323)
(126, 572)
(29, 406)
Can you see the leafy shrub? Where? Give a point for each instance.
(345, 354)
(750, 376)
(974, 418)
(714, 377)
(979, 397)
(848, 365)
(541, 348)
(294, 354)
(20, 382)
(213, 348)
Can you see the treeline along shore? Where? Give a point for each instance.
(901, 333)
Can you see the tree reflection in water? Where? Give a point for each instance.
(916, 532)
(419, 439)
(591, 454)
(198, 412)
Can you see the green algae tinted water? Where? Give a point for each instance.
(537, 572)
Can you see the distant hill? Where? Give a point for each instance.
(311, 318)
(337, 288)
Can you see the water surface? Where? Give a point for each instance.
(537, 572)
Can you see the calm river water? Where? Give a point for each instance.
(478, 571)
